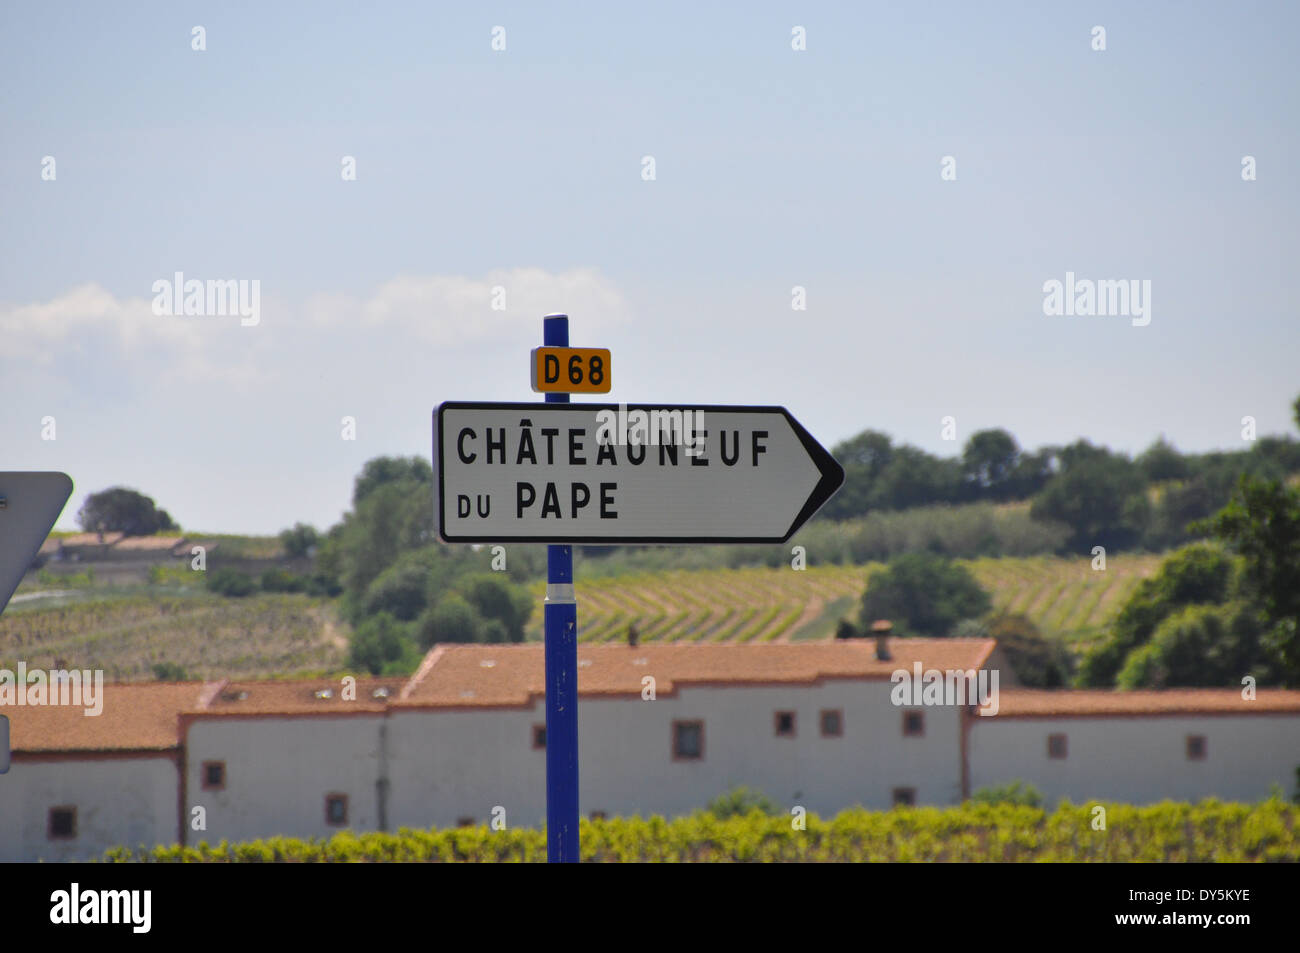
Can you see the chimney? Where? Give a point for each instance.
(632, 635)
(880, 629)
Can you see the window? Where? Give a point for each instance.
(904, 797)
(1056, 746)
(62, 823)
(914, 724)
(464, 822)
(832, 720)
(1196, 747)
(599, 815)
(785, 724)
(336, 810)
(688, 740)
(539, 737)
(214, 775)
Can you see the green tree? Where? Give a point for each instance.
(1037, 661)
(381, 646)
(121, 510)
(231, 582)
(493, 597)
(1200, 646)
(1161, 461)
(988, 462)
(1262, 523)
(1099, 495)
(451, 620)
(384, 470)
(299, 540)
(1199, 574)
(923, 594)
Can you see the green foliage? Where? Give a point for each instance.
(740, 801)
(1200, 645)
(922, 594)
(1016, 792)
(1200, 574)
(120, 510)
(72, 580)
(299, 540)
(231, 582)
(382, 471)
(169, 672)
(281, 580)
(451, 620)
(1211, 831)
(1038, 662)
(1099, 495)
(381, 645)
(496, 599)
(1262, 523)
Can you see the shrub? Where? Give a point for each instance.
(231, 582)
(1016, 792)
(740, 801)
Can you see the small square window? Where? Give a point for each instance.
(62, 823)
(539, 737)
(1196, 747)
(336, 810)
(914, 724)
(464, 822)
(688, 740)
(214, 775)
(832, 720)
(904, 797)
(1056, 746)
(599, 815)
(785, 724)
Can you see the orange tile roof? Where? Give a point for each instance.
(1030, 703)
(148, 543)
(486, 675)
(136, 716)
(296, 696)
(92, 539)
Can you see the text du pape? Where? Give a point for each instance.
(621, 438)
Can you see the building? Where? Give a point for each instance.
(663, 729)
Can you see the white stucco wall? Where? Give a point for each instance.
(278, 771)
(120, 802)
(448, 765)
(1139, 760)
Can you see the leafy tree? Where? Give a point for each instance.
(1200, 645)
(923, 594)
(391, 519)
(280, 580)
(496, 599)
(1161, 461)
(451, 620)
(988, 462)
(381, 646)
(120, 510)
(1038, 662)
(299, 539)
(864, 458)
(1101, 496)
(231, 582)
(1262, 523)
(384, 470)
(1200, 574)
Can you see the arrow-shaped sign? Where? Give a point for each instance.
(637, 473)
(29, 505)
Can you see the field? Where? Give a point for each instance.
(1064, 597)
(127, 632)
(1211, 831)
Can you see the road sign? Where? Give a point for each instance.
(571, 370)
(30, 503)
(608, 473)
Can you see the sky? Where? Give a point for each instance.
(525, 169)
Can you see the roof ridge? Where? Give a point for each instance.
(426, 666)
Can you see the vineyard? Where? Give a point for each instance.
(1064, 597)
(205, 635)
(1211, 831)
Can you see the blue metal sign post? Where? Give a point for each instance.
(561, 611)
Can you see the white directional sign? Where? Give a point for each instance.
(30, 503)
(637, 473)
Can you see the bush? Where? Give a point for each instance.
(231, 582)
(1017, 792)
(169, 672)
(382, 646)
(1036, 660)
(280, 580)
(740, 801)
(299, 540)
(922, 594)
(451, 620)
